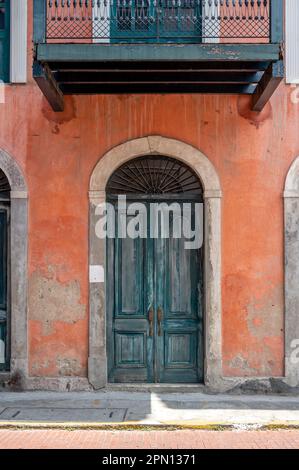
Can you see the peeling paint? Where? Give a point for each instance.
(51, 301)
(265, 315)
(68, 367)
(65, 116)
(255, 118)
(242, 365)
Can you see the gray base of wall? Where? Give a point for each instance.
(55, 384)
(59, 384)
(268, 385)
(265, 385)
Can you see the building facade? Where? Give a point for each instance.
(172, 102)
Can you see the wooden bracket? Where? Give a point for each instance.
(48, 85)
(267, 85)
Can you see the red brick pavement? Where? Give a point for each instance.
(92, 439)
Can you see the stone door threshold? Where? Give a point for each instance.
(153, 387)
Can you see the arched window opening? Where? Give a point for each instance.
(4, 272)
(155, 324)
(154, 175)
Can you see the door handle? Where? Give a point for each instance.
(160, 319)
(151, 320)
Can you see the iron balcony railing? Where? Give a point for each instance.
(158, 21)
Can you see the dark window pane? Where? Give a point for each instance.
(2, 18)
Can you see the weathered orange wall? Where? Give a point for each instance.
(57, 152)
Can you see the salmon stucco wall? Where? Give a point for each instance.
(58, 151)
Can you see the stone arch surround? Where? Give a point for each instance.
(201, 165)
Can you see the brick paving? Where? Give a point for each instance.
(194, 439)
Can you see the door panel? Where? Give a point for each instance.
(129, 277)
(130, 349)
(179, 279)
(178, 287)
(130, 346)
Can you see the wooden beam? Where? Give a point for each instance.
(149, 66)
(157, 52)
(267, 86)
(153, 88)
(48, 85)
(178, 76)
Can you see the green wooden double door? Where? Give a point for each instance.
(154, 311)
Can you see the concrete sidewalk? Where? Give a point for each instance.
(113, 408)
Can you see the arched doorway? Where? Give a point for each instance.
(98, 285)
(14, 200)
(4, 273)
(154, 272)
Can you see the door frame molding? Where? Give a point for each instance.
(291, 246)
(18, 267)
(202, 166)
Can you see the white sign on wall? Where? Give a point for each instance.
(96, 274)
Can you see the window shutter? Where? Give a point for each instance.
(292, 41)
(4, 41)
(18, 41)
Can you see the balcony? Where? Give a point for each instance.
(158, 46)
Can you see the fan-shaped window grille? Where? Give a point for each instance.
(154, 175)
(4, 187)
